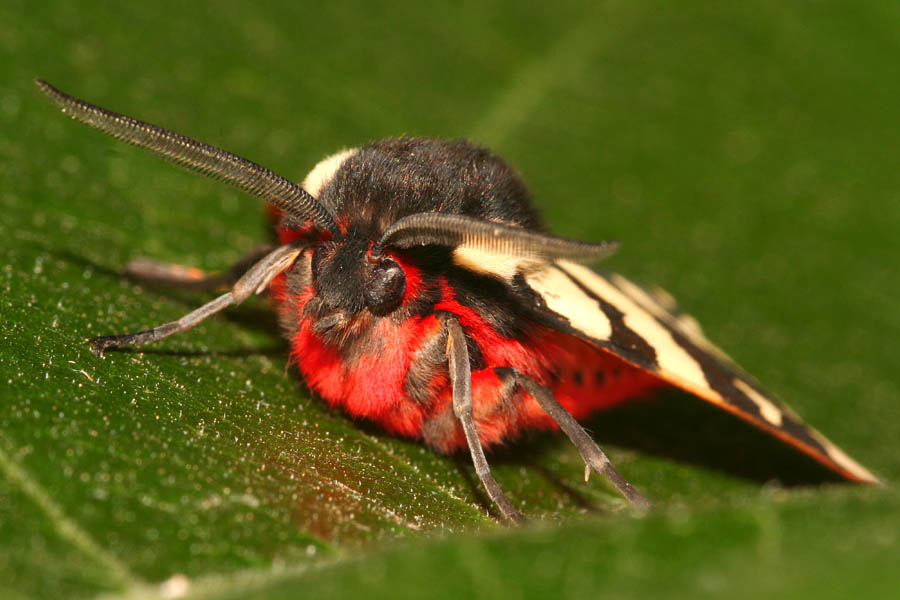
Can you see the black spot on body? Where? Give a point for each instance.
(508, 391)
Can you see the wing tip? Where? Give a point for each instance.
(828, 454)
(851, 469)
(734, 392)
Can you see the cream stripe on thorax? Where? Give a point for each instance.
(322, 173)
(504, 266)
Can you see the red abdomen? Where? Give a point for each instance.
(367, 376)
(583, 378)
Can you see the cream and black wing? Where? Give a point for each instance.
(646, 329)
(642, 328)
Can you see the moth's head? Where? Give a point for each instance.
(402, 209)
(346, 276)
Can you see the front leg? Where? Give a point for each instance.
(254, 281)
(461, 382)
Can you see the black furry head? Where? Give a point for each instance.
(412, 203)
(379, 184)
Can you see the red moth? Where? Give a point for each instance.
(418, 290)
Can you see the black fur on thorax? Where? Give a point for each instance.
(383, 182)
(390, 179)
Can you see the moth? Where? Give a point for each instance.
(419, 289)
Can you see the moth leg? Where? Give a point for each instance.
(190, 278)
(593, 456)
(461, 382)
(254, 281)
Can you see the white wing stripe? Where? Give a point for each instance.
(685, 324)
(650, 320)
(671, 357)
(565, 299)
(767, 408)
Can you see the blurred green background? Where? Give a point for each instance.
(745, 155)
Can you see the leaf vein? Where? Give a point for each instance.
(65, 526)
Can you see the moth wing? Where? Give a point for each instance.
(646, 329)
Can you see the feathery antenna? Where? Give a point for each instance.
(497, 238)
(198, 157)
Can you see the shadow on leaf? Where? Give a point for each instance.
(680, 427)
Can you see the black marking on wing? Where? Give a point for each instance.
(622, 336)
(720, 377)
(798, 430)
(543, 314)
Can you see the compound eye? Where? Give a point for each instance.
(385, 286)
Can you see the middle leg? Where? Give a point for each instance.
(594, 458)
(192, 278)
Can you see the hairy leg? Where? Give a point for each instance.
(461, 381)
(594, 457)
(254, 281)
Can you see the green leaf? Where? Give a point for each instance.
(745, 156)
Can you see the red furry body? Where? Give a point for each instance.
(583, 378)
